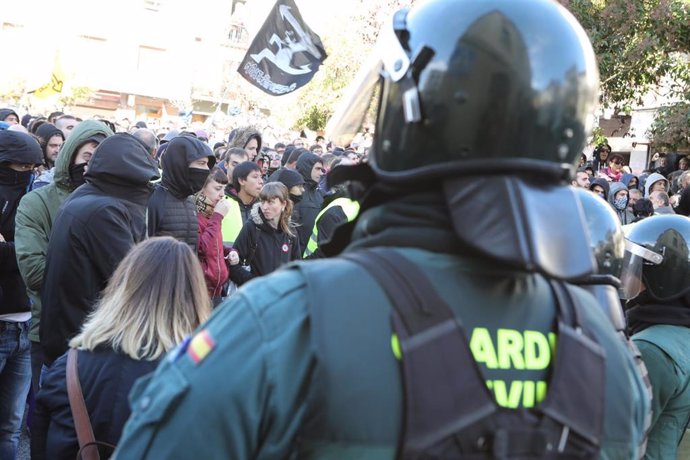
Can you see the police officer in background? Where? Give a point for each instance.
(447, 327)
(657, 280)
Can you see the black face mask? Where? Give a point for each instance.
(9, 176)
(295, 198)
(76, 174)
(197, 179)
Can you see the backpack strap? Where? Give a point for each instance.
(427, 329)
(82, 422)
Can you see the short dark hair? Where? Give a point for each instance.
(279, 145)
(320, 138)
(217, 175)
(243, 170)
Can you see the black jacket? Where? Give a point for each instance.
(261, 247)
(312, 199)
(106, 378)
(93, 231)
(171, 210)
(14, 148)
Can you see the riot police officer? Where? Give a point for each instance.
(657, 280)
(447, 327)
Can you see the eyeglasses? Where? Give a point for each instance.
(617, 162)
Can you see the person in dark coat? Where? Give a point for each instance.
(310, 166)
(93, 231)
(267, 240)
(144, 313)
(171, 209)
(19, 154)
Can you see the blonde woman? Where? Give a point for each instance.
(268, 239)
(156, 297)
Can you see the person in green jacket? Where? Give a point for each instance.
(35, 216)
(657, 279)
(446, 327)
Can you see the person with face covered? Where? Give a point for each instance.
(172, 210)
(36, 214)
(19, 154)
(92, 232)
(618, 199)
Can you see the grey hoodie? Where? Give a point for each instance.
(654, 177)
(625, 216)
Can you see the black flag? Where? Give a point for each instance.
(285, 54)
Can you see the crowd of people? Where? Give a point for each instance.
(660, 189)
(454, 303)
(78, 197)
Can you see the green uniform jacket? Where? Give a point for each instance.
(252, 383)
(36, 213)
(665, 351)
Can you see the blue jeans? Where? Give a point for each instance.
(15, 379)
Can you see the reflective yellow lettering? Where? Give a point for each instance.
(500, 393)
(483, 348)
(537, 351)
(528, 394)
(553, 341)
(509, 345)
(541, 391)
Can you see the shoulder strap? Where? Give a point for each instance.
(82, 423)
(427, 328)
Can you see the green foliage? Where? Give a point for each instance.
(671, 127)
(314, 119)
(639, 44)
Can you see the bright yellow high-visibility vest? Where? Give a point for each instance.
(232, 223)
(350, 208)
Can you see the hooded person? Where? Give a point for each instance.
(92, 232)
(618, 199)
(310, 166)
(51, 147)
(655, 182)
(19, 154)
(36, 214)
(171, 209)
(631, 181)
(600, 186)
(247, 138)
(9, 116)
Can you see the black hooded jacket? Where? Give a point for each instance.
(15, 147)
(171, 209)
(93, 231)
(4, 113)
(262, 248)
(312, 199)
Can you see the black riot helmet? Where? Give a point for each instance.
(658, 255)
(607, 240)
(475, 87)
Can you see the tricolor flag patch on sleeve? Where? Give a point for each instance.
(200, 346)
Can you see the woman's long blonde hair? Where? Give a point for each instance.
(279, 190)
(156, 297)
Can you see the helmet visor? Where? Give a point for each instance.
(360, 102)
(636, 257)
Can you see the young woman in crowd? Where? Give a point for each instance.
(212, 208)
(146, 310)
(267, 240)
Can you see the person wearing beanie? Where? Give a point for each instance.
(26, 119)
(35, 216)
(19, 154)
(310, 166)
(9, 116)
(171, 210)
(293, 181)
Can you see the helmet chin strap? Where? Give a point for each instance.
(525, 224)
